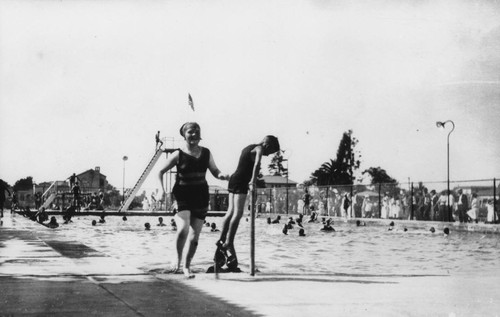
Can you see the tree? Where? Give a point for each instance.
(276, 167)
(112, 196)
(341, 170)
(379, 175)
(23, 184)
(5, 184)
(308, 182)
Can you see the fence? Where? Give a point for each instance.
(412, 201)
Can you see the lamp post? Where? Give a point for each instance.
(440, 124)
(287, 175)
(286, 160)
(172, 139)
(123, 196)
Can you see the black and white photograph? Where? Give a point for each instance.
(249, 158)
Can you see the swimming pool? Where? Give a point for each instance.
(370, 250)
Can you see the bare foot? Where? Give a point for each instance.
(187, 273)
(173, 269)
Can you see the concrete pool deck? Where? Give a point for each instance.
(41, 275)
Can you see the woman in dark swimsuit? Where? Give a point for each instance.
(190, 191)
(240, 182)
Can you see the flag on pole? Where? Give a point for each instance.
(190, 101)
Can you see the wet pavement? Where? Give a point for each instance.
(46, 277)
(41, 275)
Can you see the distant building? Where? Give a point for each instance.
(92, 180)
(271, 196)
(481, 191)
(25, 198)
(275, 181)
(59, 185)
(219, 198)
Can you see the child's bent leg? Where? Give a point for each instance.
(238, 208)
(227, 218)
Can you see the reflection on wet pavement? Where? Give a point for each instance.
(73, 249)
(24, 255)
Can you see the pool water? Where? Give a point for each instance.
(370, 250)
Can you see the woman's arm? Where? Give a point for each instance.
(172, 160)
(214, 170)
(258, 158)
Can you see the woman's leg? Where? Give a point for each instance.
(182, 219)
(196, 225)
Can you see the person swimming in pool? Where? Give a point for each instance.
(213, 227)
(300, 218)
(42, 215)
(313, 217)
(160, 222)
(360, 223)
(190, 191)
(328, 226)
(53, 223)
(285, 229)
(277, 219)
(391, 226)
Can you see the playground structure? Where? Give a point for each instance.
(59, 195)
(131, 193)
(218, 199)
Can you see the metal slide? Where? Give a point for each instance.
(141, 180)
(48, 201)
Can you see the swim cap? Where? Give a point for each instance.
(188, 125)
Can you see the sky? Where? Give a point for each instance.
(84, 83)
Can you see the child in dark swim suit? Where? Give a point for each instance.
(190, 191)
(240, 182)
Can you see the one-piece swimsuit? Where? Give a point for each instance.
(191, 188)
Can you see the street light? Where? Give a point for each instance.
(286, 160)
(173, 140)
(287, 174)
(440, 124)
(123, 197)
